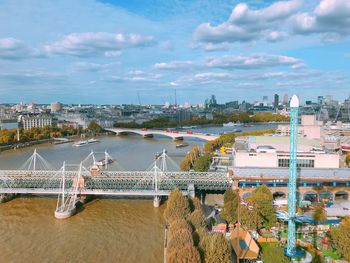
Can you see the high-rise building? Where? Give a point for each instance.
(275, 101)
(320, 100)
(285, 99)
(265, 98)
(56, 106)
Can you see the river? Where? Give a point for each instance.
(104, 230)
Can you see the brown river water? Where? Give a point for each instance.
(104, 230)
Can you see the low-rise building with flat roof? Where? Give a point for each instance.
(273, 152)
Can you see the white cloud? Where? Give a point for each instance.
(136, 72)
(246, 24)
(144, 77)
(233, 62)
(252, 62)
(175, 65)
(32, 77)
(93, 67)
(330, 17)
(97, 43)
(13, 49)
(275, 36)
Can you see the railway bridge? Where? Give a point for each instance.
(72, 182)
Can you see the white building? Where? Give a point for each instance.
(309, 128)
(35, 122)
(56, 106)
(273, 152)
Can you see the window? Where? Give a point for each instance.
(301, 163)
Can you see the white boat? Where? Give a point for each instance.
(230, 124)
(84, 143)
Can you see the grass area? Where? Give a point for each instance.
(331, 253)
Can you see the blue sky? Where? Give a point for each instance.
(88, 51)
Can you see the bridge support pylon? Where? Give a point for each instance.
(191, 191)
(6, 197)
(156, 201)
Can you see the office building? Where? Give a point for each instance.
(35, 122)
(276, 101)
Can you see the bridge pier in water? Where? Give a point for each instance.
(6, 197)
(156, 201)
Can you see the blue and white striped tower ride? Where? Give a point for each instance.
(292, 184)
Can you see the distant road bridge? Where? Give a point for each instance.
(175, 135)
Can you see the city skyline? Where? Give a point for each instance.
(109, 52)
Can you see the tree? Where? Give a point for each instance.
(249, 219)
(195, 204)
(261, 200)
(177, 207)
(180, 246)
(215, 249)
(197, 219)
(176, 226)
(317, 259)
(188, 161)
(231, 200)
(272, 253)
(186, 254)
(347, 159)
(94, 127)
(202, 163)
(341, 238)
(319, 214)
(179, 239)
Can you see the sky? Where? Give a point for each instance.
(114, 52)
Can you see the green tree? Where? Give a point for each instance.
(317, 259)
(202, 163)
(249, 219)
(177, 207)
(189, 159)
(347, 159)
(229, 211)
(261, 200)
(94, 127)
(340, 236)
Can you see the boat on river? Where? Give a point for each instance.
(181, 145)
(230, 124)
(85, 143)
